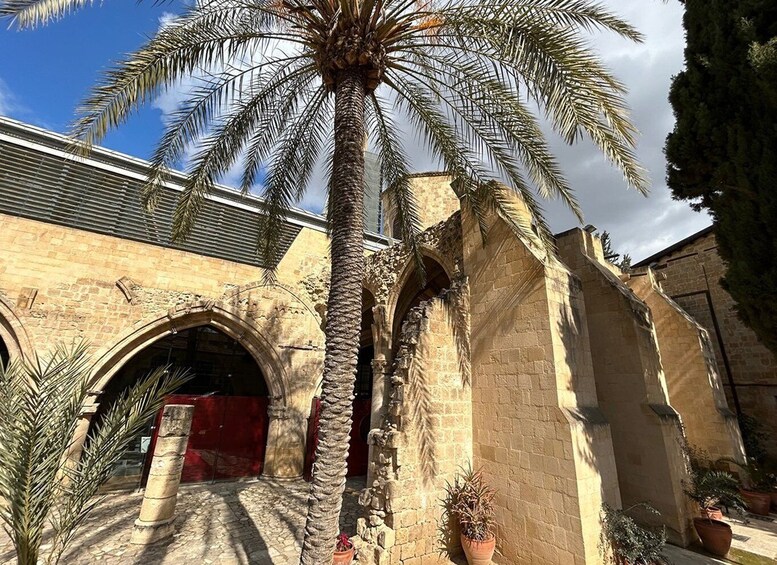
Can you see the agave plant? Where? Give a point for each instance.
(40, 485)
(470, 500)
(290, 83)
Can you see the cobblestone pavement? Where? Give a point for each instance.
(259, 522)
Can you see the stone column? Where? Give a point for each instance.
(158, 510)
(286, 434)
(73, 453)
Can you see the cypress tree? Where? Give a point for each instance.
(722, 154)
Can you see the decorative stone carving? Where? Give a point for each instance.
(277, 410)
(384, 268)
(129, 289)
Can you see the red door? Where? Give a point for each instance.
(228, 437)
(358, 449)
(243, 437)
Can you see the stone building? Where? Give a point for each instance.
(691, 270)
(564, 379)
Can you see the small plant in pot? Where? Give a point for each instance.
(471, 502)
(630, 543)
(711, 488)
(760, 484)
(344, 551)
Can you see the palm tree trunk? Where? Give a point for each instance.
(342, 323)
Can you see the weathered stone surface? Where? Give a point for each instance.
(260, 523)
(629, 375)
(158, 509)
(691, 275)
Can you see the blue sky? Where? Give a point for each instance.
(44, 73)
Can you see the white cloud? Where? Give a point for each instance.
(638, 225)
(7, 102)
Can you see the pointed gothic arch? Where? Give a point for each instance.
(15, 341)
(409, 292)
(231, 322)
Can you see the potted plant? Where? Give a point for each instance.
(710, 488)
(760, 484)
(471, 502)
(343, 551)
(630, 543)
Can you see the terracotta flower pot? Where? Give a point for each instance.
(478, 552)
(343, 557)
(773, 496)
(712, 512)
(757, 502)
(716, 536)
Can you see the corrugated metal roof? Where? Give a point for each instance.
(56, 190)
(41, 181)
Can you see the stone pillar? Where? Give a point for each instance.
(538, 432)
(286, 434)
(692, 377)
(73, 453)
(631, 388)
(158, 510)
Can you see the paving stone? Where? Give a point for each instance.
(258, 522)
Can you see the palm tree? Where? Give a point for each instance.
(40, 403)
(284, 84)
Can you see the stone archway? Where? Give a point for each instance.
(230, 398)
(15, 341)
(409, 292)
(110, 359)
(284, 453)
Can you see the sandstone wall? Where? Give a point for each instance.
(422, 426)
(692, 377)
(434, 196)
(537, 429)
(631, 388)
(692, 279)
(60, 284)
(424, 441)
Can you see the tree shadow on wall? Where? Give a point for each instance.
(586, 420)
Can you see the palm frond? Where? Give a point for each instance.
(395, 174)
(111, 437)
(40, 405)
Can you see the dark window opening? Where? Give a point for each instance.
(4, 355)
(413, 293)
(366, 349)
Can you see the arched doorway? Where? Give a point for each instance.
(230, 396)
(358, 454)
(358, 450)
(412, 294)
(4, 354)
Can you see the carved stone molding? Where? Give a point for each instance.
(128, 288)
